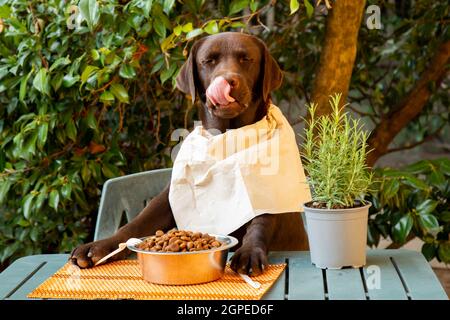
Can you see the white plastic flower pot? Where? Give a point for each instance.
(337, 237)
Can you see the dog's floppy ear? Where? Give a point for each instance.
(273, 76)
(187, 77)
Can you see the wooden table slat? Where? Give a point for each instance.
(305, 280)
(277, 291)
(15, 274)
(420, 279)
(345, 284)
(388, 286)
(48, 269)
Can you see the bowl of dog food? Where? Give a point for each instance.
(180, 257)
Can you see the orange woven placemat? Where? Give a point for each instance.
(122, 280)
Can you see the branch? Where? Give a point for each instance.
(57, 154)
(411, 146)
(409, 107)
(362, 113)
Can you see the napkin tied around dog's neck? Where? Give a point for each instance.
(221, 182)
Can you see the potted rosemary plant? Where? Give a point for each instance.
(335, 151)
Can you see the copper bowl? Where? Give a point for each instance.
(183, 268)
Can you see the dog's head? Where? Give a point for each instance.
(236, 69)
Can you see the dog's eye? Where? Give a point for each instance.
(245, 59)
(209, 61)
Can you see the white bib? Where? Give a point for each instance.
(220, 182)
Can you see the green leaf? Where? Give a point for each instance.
(426, 207)
(9, 251)
(71, 130)
(253, 5)
(418, 167)
(428, 222)
(69, 80)
(95, 169)
(159, 26)
(89, 11)
(90, 119)
(34, 234)
(5, 11)
(157, 66)
(23, 85)
(188, 27)
(444, 252)
(26, 207)
(107, 97)
(309, 8)
(415, 182)
(437, 179)
(402, 228)
(85, 173)
(237, 25)
(168, 5)
(30, 146)
(119, 91)
(390, 188)
(42, 135)
(54, 199)
(66, 190)
(23, 223)
(87, 72)
(2, 161)
(5, 185)
(59, 62)
(177, 30)
(167, 73)
(41, 197)
(95, 55)
(294, 5)
(373, 236)
(444, 216)
(19, 26)
(40, 81)
(194, 33)
(211, 27)
(146, 7)
(237, 5)
(57, 81)
(126, 71)
(444, 165)
(108, 172)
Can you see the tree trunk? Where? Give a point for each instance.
(409, 107)
(338, 52)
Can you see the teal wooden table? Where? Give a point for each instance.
(388, 275)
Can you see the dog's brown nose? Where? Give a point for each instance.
(233, 81)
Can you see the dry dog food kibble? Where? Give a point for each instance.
(179, 241)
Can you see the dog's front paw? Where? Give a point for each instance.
(249, 260)
(86, 255)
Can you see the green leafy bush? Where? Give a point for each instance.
(413, 202)
(334, 157)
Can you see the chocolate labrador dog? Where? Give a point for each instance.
(246, 64)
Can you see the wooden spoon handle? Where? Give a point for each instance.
(121, 247)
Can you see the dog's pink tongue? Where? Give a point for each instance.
(219, 92)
